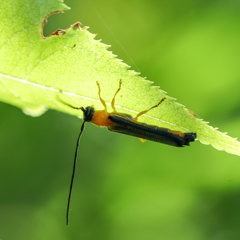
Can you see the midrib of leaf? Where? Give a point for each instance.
(43, 87)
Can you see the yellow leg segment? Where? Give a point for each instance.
(143, 112)
(113, 100)
(99, 94)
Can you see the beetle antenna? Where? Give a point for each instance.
(73, 172)
(75, 157)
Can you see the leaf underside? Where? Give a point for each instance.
(36, 70)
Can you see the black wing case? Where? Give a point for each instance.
(149, 132)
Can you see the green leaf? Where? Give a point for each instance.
(35, 70)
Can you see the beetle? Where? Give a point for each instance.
(126, 124)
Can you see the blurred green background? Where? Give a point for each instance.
(125, 189)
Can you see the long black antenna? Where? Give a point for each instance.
(73, 172)
(75, 158)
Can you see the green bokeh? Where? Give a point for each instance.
(125, 189)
